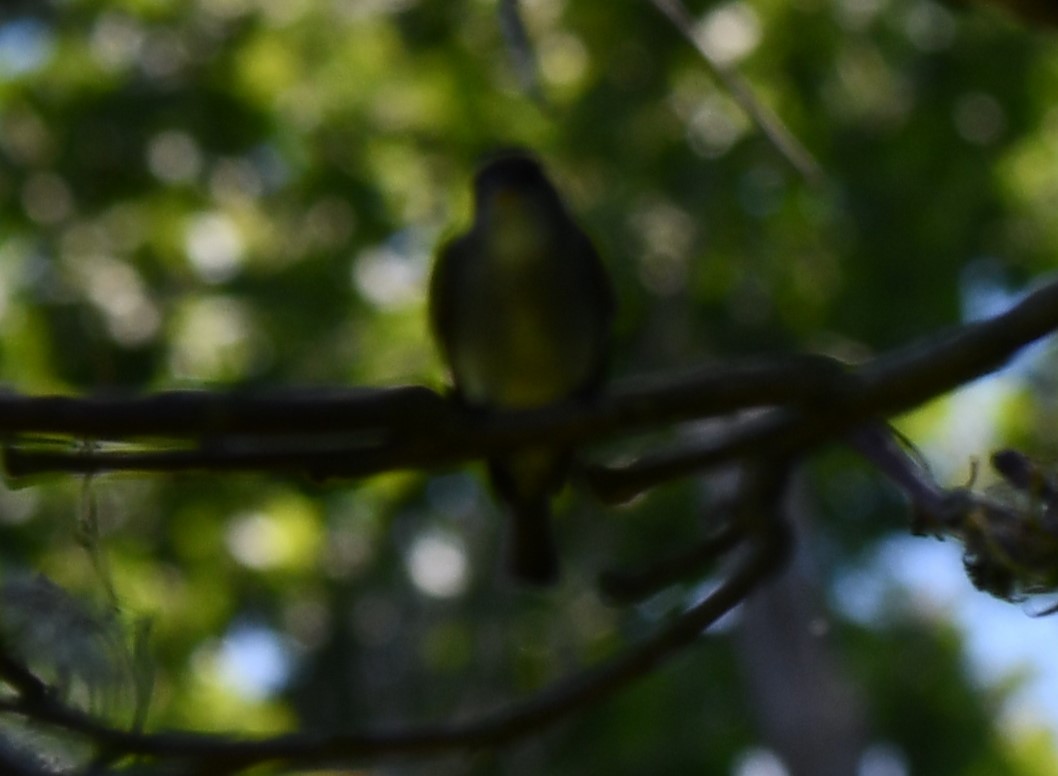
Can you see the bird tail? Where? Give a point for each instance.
(526, 481)
(532, 553)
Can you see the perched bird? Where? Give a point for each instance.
(521, 308)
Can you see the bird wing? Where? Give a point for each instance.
(445, 282)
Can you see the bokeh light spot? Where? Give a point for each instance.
(390, 276)
(214, 246)
(979, 118)
(730, 32)
(25, 45)
(437, 565)
(173, 156)
(253, 661)
(47, 199)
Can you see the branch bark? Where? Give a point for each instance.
(359, 432)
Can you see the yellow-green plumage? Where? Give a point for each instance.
(521, 308)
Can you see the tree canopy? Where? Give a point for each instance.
(231, 206)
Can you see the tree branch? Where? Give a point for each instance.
(360, 432)
(880, 388)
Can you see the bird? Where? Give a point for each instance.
(521, 308)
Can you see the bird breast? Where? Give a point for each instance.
(527, 335)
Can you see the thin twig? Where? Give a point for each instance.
(520, 47)
(630, 586)
(17, 675)
(784, 141)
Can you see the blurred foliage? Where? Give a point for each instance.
(231, 193)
